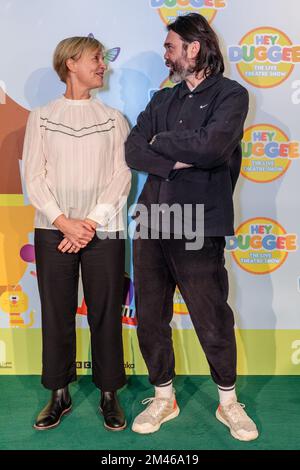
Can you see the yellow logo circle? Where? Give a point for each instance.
(265, 57)
(261, 245)
(267, 153)
(169, 10)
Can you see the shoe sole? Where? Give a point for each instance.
(45, 428)
(121, 428)
(152, 429)
(232, 432)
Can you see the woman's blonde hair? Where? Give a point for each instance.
(72, 48)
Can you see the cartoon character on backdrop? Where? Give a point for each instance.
(16, 218)
(128, 313)
(14, 302)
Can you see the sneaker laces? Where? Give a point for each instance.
(156, 405)
(236, 411)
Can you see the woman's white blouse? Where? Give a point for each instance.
(74, 164)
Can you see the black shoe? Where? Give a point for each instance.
(114, 418)
(59, 405)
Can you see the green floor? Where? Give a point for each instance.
(273, 402)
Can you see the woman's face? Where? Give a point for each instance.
(90, 69)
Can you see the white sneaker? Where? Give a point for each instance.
(241, 426)
(157, 412)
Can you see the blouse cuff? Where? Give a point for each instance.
(101, 214)
(52, 211)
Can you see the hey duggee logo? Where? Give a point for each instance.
(169, 9)
(265, 57)
(261, 245)
(267, 153)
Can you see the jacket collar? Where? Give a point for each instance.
(208, 82)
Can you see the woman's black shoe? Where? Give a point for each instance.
(59, 405)
(114, 418)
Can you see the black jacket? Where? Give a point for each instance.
(208, 137)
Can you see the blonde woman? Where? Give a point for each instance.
(78, 181)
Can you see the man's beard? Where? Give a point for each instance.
(178, 72)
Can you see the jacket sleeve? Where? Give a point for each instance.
(114, 196)
(140, 154)
(210, 146)
(34, 170)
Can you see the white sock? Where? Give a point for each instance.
(227, 394)
(164, 390)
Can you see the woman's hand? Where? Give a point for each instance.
(66, 246)
(92, 223)
(78, 232)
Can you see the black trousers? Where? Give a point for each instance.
(203, 282)
(102, 268)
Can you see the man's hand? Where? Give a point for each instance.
(181, 166)
(78, 232)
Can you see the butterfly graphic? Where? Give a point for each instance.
(111, 54)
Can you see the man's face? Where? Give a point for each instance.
(176, 58)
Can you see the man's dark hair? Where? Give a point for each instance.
(194, 27)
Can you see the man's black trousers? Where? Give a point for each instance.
(160, 264)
